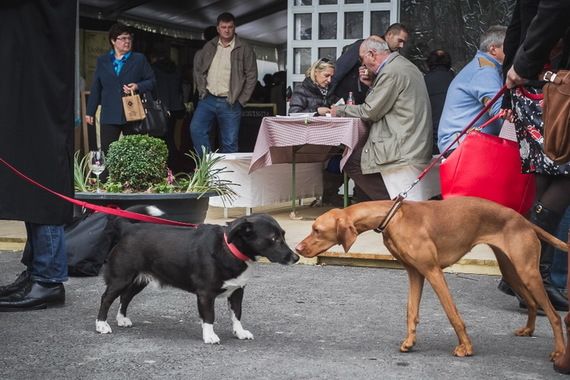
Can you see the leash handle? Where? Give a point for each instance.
(103, 209)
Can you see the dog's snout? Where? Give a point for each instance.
(295, 258)
(300, 247)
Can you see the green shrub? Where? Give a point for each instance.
(137, 162)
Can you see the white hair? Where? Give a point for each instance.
(494, 36)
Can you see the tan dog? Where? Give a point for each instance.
(429, 236)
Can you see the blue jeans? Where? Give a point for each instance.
(228, 117)
(45, 254)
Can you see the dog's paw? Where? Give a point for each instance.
(407, 345)
(211, 338)
(208, 334)
(524, 331)
(463, 350)
(123, 321)
(102, 327)
(243, 334)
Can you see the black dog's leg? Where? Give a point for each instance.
(206, 304)
(111, 293)
(126, 297)
(234, 302)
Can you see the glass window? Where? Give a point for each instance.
(327, 2)
(302, 60)
(353, 25)
(303, 26)
(328, 52)
(379, 1)
(303, 2)
(353, 1)
(327, 26)
(379, 22)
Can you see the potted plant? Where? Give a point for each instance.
(138, 174)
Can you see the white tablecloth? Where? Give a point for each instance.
(268, 185)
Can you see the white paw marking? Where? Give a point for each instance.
(208, 334)
(102, 327)
(238, 329)
(123, 321)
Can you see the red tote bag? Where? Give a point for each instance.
(488, 167)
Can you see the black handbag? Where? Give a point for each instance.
(155, 122)
(88, 241)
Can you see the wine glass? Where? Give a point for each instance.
(97, 164)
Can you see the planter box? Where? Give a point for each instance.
(183, 207)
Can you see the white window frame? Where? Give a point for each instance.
(366, 7)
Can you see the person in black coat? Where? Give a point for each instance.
(118, 72)
(535, 29)
(168, 90)
(313, 95)
(36, 137)
(437, 80)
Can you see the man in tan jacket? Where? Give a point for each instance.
(225, 74)
(397, 108)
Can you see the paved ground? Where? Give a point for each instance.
(309, 322)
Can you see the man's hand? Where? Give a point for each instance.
(514, 79)
(323, 110)
(127, 88)
(333, 111)
(364, 76)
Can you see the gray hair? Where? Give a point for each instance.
(375, 43)
(494, 36)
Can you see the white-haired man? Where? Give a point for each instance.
(397, 108)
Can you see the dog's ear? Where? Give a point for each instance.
(345, 233)
(241, 226)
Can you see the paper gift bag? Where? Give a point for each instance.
(133, 107)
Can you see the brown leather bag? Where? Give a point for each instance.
(556, 115)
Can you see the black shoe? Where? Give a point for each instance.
(36, 297)
(24, 280)
(505, 288)
(556, 298)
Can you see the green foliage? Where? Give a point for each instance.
(206, 177)
(80, 172)
(137, 162)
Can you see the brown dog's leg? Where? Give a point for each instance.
(439, 285)
(415, 294)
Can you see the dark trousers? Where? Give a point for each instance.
(371, 184)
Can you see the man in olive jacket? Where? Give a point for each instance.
(225, 74)
(397, 108)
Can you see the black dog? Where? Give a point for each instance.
(210, 261)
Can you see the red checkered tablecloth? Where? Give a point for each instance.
(312, 139)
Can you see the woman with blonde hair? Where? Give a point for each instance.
(313, 94)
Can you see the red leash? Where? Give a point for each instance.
(103, 209)
(400, 198)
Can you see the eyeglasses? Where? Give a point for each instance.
(124, 38)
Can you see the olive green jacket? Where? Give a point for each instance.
(398, 111)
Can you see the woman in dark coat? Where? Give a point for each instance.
(118, 72)
(313, 96)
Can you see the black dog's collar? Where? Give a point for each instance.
(235, 251)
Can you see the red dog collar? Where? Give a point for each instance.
(235, 251)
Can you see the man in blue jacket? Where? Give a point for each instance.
(475, 85)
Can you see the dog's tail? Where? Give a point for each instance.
(119, 223)
(550, 239)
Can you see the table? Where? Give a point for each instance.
(305, 139)
(268, 185)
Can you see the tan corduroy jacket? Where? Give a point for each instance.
(243, 75)
(398, 111)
